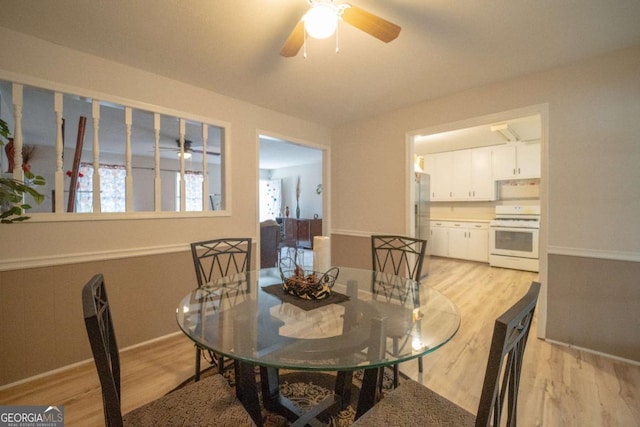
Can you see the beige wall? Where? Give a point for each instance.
(593, 199)
(70, 69)
(590, 186)
(145, 261)
(41, 321)
(601, 296)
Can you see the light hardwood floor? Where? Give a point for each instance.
(560, 386)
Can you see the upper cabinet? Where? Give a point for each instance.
(471, 175)
(461, 175)
(481, 185)
(516, 161)
(442, 176)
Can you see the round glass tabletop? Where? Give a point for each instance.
(370, 320)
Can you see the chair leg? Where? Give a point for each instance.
(396, 375)
(420, 364)
(220, 364)
(197, 374)
(396, 370)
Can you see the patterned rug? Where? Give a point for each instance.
(307, 389)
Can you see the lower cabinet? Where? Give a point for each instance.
(460, 239)
(439, 240)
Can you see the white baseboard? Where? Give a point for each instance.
(597, 353)
(594, 253)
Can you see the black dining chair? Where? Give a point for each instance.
(207, 402)
(401, 256)
(213, 259)
(414, 404)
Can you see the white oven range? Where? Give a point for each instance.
(514, 237)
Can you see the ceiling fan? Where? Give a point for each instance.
(321, 21)
(189, 149)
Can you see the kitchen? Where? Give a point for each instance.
(484, 192)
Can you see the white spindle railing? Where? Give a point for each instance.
(59, 174)
(183, 187)
(157, 183)
(205, 177)
(60, 104)
(128, 120)
(95, 113)
(17, 134)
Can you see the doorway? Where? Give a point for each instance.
(525, 126)
(292, 188)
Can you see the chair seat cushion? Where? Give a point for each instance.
(209, 402)
(412, 404)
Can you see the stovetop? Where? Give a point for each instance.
(517, 216)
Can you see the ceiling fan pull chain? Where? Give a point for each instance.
(337, 38)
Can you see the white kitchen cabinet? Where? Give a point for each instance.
(460, 239)
(516, 161)
(429, 165)
(442, 176)
(481, 185)
(439, 240)
(478, 243)
(462, 175)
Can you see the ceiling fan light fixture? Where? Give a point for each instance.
(321, 21)
(187, 155)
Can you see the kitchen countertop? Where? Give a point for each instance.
(461, 220)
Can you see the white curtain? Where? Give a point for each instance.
(112, 188)
(270, 198)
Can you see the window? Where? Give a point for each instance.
(112, 188)
(270, 198)
(193, 191)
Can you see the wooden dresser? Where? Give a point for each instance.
(300, 232)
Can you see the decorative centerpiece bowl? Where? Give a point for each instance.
(311, 285)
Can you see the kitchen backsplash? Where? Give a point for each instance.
(518, 189)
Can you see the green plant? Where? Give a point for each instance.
(12, 191)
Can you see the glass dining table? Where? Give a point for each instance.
(371, 320)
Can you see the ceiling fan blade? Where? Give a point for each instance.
(371, 24)
(200, 151)
(294, 42)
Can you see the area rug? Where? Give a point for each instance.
(307, 389)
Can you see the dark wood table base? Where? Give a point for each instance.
(247, 393)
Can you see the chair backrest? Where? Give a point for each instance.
(502, 377)
(220, 257)
(400, 255)
(269, 243)
(97, 319)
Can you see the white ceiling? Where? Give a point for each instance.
(523, 129)
(276, 154)
(232, 47)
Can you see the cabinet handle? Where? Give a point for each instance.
(518, 171)
(514, 171)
